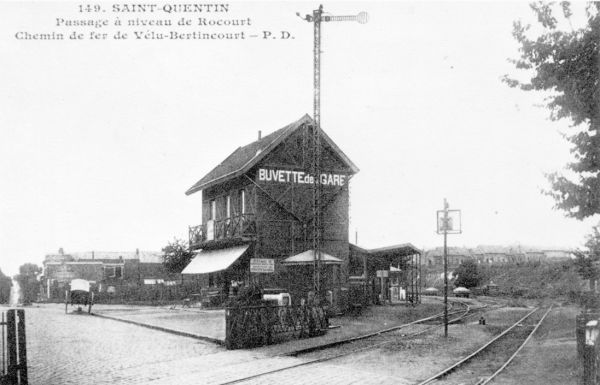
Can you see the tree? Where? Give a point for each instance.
(588, 264)
(28, 281)
(5, 284)
(176, 256)
(468, 275)
(566, 63)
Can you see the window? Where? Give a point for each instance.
(113, 271)
(213, 210)
(109, 271)
(228, 206)
(242, 201)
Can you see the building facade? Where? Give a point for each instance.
(258, 219)
(112, 274)
(455, 255)
(484, 255)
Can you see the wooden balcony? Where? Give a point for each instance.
(238, 227)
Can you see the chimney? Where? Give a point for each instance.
(61, 251)
(259, 134)
(92, 255)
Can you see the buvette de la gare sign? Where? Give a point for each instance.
(299, 177)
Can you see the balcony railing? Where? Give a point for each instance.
(241, 226)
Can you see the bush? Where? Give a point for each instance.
(247, 296)
(468, 275)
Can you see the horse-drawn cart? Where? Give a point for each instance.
(80, 293)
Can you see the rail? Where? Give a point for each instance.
(497, 372)
(352, 340)
(380, 332)
(472, 355)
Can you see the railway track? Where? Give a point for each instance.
(379, 333)
(366, 342)
(522, 330)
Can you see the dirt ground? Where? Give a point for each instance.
(370, 320)
(550, 358)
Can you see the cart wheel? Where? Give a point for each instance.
(91, 301)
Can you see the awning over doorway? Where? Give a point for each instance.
(308, 257)
(209, 261)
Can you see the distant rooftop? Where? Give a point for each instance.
(142, 256)
(495, 249)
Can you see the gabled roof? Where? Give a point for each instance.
(246, 157)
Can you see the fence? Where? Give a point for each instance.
(13, 367)
(263, 325)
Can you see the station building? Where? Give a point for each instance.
(257, 224)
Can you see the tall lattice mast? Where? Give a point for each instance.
(315, 142)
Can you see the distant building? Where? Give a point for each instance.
(559, 254)
(456, 256)
(109, 272)
(489, 255)
(535, 256)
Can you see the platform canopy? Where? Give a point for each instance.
(308, 257)
(403, 250)
(210, 261)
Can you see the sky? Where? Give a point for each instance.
(101, 138)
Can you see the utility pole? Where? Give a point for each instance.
(317, 17)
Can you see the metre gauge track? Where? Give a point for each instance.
(366, 342)
(522, 330)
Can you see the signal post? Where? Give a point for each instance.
(448, 222)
